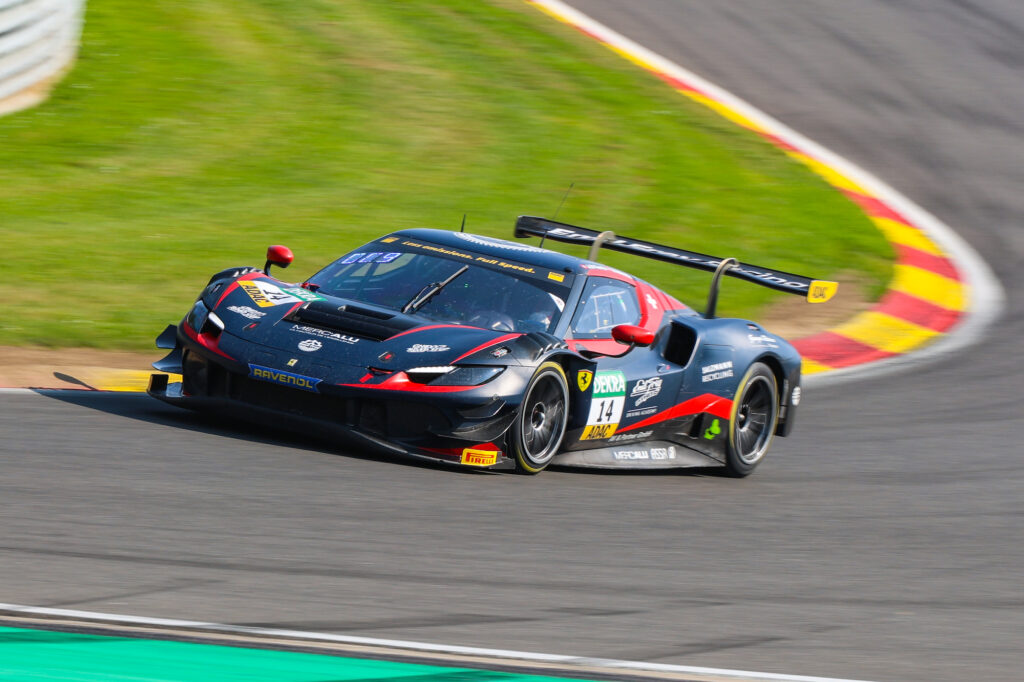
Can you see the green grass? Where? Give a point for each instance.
(193, 133)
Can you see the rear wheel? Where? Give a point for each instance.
(755, 414)
(538, 430)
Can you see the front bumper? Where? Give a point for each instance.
(390, 425)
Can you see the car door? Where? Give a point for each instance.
(619, 392)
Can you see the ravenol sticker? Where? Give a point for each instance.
(265, 294)
(583, 379)
(302, 294)
(606, 405)
(276, 376)
(479, 458)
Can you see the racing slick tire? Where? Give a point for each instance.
(540, 425)
(755, 415)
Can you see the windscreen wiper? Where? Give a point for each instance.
(430, 291)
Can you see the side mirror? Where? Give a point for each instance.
(632, 335)
(278, 255)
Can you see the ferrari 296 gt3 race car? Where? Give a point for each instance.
(489, 353)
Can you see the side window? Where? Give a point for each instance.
(605, 303)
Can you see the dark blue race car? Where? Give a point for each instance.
(494, 354)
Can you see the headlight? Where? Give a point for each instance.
(196, 317)
(448, 375)
(204, 321)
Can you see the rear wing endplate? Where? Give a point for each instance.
(814, 290)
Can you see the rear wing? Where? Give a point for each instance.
(815, 291)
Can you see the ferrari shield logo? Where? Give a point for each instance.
(293, 362)
(583, 379)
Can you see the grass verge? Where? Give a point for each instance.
(193, 133)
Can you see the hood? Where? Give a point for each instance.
(325, 329)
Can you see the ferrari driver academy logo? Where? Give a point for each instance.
(583, 379)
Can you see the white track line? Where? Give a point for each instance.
(986, 293)
(575, 661)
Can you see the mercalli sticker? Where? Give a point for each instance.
(324, 334)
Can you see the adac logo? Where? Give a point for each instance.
(284, 378)
(583, 379)
(820, 291)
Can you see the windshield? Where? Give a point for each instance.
(492, 293)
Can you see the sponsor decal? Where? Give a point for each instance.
(646, 454)
(302, 294)
(713, 430)
(292, 362)
(762, 339)
(719, 370)
(641, 413)
(610, 383)
(246, 311)
(371, 257)
(624, 437)
(388, 240)
(646, 389)
(265, 294)
(821, 291)
(557, 276)
(583, 379)
(490, 241)
(500, 352)
(276, 376)
(606, 405)
(651, 301)
(324, 334)
(426, 348)
(479, 458)
(495, 262)
(310, 345)
(795, 400)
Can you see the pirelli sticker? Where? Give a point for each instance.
(606, 405)
(479, 458)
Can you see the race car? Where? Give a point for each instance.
(487, 353)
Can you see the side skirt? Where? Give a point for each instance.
(653, 454)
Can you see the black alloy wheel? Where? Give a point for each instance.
(755, 415)
(539, 428)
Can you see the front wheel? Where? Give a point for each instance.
(755, 414)
(538, 430)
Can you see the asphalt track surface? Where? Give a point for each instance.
(883, 540)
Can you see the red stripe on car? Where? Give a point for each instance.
(712, 404)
